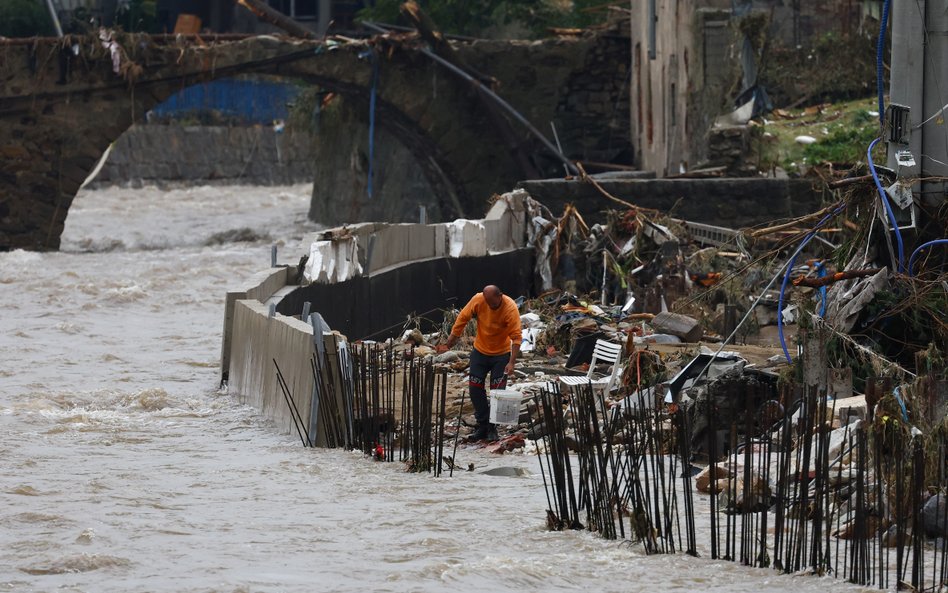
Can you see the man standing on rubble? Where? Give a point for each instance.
(496, 347)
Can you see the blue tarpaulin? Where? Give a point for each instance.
(251, 101)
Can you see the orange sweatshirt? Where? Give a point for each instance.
(496, 328)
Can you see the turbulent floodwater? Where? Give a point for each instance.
(125, 469)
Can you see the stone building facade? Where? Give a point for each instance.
(692, 58)
(682, 63)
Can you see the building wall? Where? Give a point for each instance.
(796, 22)
(688, 71)
(679, 75)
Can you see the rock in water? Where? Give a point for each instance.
(933, 517)
(703, 480)
(449, 356)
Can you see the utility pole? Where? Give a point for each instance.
(919, 81)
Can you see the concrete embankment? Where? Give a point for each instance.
(365, 281)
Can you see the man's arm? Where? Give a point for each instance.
(460, 323)
(514, 353)
(516, 337)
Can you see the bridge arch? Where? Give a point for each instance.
(60, 114)
(60, 110)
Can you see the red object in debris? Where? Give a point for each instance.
(514, 441)
(706, 280)
(379, 452)
(550, 351)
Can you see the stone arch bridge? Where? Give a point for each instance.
(63, 103)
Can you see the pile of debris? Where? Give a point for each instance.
(827, 424)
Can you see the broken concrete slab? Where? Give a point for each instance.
(676, 324)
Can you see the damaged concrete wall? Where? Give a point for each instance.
(258, 288)
(363, 307)
(399, 270)
(375, 307)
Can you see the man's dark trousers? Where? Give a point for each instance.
(481, 366)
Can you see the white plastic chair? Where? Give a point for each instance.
(603, 352)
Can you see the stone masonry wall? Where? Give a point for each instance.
(247, 154)
(592, 116)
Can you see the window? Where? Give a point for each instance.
(652, 19)
(297, 9)
(673, 94)
(306, 8)
(715, 41)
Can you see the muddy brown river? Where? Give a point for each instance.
(125, 468)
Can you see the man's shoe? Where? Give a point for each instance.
(491, 434)
(479, 434)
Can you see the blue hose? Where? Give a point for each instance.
(820, 273)
(789, 270)
(880, 87)
(372, 95)
(880, 49)
(898, 398)
(911, 264)
(885, 202)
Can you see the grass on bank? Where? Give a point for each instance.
(842, 131)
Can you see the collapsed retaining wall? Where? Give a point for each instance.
(368, 279)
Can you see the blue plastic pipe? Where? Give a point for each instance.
(885, 202)
(789, 270)
(911, 264)
(821, 272)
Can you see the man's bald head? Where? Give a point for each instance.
(493, 296)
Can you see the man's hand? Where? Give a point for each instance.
(451, 341)
(514, 354)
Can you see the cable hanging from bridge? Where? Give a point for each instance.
(491, 94)
(373, 95)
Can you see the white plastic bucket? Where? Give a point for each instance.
(505, 406)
